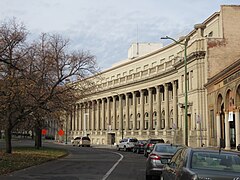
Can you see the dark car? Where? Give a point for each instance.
(160, 155)
(238, 147)
(203, 163)
(139, 146)
(150, 144)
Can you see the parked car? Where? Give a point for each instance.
(238, 147)
(203, 163)
(126, 144)
(150, 144)
(160, 155)
(139, 146)
(81, 141)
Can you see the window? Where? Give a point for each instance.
(112, 77)
(210, 34)
(118, 75)
(162, 60)
(124, 73)
(171, 57)
(154, 64)
(131, 71)
(145, 67)
(138, 69)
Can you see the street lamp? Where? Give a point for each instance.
(185, 43)
(121, 115)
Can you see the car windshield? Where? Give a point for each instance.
(133, 140)
(216, 161)
(85, 138)
(166, 148)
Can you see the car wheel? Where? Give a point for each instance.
(148, 177)
(125, 149)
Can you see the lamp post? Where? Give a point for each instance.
(185, 43)
(121, 115)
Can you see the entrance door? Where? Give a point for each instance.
(111, 138)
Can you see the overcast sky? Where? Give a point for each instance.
(107, 28)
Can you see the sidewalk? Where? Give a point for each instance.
(103, 146)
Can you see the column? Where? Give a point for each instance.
(227, 132)
(175, 118)
(114, 113)
(103, 115)
(108, 113)
(78, 121)
(218, 122)
(134, 111)
(158, 97)
(166, 105)
(75, 117)
(72, 119)
(127, 112)
(80, 117)
(150, 126)
(93, 115)
(237, 125)
(89, 116)
(142, 110)
(98, 115)
(120, 113)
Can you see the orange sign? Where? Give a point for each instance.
(44, 131)
(60, 132)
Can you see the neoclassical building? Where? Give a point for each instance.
(144, 96)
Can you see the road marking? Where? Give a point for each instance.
(114, 166)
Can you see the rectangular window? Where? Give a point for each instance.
(145, 67)
(162, 60)
(191, 79)
(112, 77)
(124, 73)
(131, 71)
(118, 75)
(154, 64)
(187, 81)
(171, 57)
(182, 82)
(138, 69)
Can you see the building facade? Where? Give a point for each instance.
(144, 96)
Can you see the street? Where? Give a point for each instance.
(85, 163)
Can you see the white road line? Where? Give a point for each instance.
(114, 166)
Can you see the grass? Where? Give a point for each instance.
(23, 157)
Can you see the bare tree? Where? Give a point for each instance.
(35, 78)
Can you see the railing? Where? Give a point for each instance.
(196, 46)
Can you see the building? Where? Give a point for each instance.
(144, 96)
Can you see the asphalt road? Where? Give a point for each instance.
(84, 163)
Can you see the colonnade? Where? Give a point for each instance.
(153, 108)
(223, 128)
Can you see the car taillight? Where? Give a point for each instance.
(154, 157)
(150, 145)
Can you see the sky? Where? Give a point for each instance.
(107, 28)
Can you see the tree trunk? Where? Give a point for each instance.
(38, 138)
(8, 138)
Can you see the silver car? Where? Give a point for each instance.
(160, 155)
(81, 141)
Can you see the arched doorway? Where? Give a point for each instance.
(220, 109)
(230, 107)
